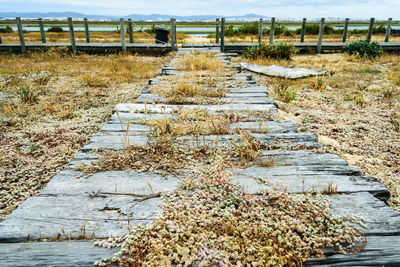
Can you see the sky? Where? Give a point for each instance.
(381, 9)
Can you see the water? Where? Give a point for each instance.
(193, 31)
(111, 28)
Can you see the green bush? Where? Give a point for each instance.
(55, 29)
(363, 49)
(314, 29)
(272, 51)
(7, 29)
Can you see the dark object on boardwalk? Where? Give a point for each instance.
(161, 35)
(396, 32)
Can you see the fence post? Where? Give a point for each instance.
(130, 30)
(388, 30)
(21, 34)
(42, 35)
(122, 27)
(175, 33)
(172, 35)
(260, 31)
(303, 30)
(320, 35)
(272, 31)
(71, 35)
(0, 40)
(345, 29)
(217, 31)
(87, 30)
(222, 35)
(370, 28)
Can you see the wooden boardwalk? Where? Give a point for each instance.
(64, 204)
(165, 48)
(92, 47)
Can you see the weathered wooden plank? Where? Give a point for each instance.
(21, 34)
(260, 31)
(370, 29)
(123, 41)
(307, 177)
(173, 44)
(72, 35)
(87, 33)
(380, 251)
(217, 31)
(47, 216)
(68, 183)
(345, 30)
(42, 34)
(102, 141)
(63, 254)
(272, 30)
(222, 35)
(320, 35)
(303, 30)
(130, 31)
(388, 30)
(161, 108)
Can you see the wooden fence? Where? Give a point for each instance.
(219, 35)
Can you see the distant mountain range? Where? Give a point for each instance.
(137, 17)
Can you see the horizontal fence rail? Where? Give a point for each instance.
(126, 30)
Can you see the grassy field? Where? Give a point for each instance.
(354, 111)
(49, 110)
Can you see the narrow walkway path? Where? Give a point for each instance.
(108, 203)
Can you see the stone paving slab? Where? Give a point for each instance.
(63, 254)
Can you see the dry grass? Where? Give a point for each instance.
(197, 61)
(191, 122)
(50, 104)
(180, 91)
(80, 37)
(355, 112)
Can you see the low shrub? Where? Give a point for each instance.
(55, 29)
(7, 29)
(271, 51)
(363, 49)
